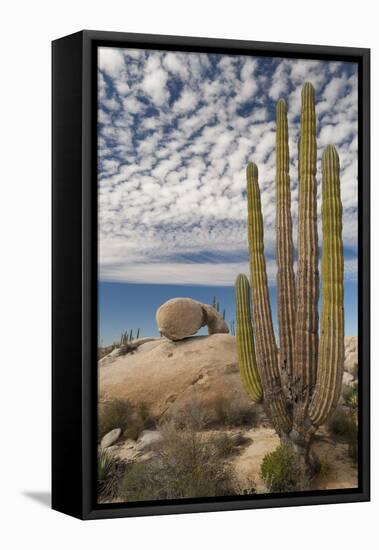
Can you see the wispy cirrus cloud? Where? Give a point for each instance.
(176, 131)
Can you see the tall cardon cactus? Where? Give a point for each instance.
(300, 383)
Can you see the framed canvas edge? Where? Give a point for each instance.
(90, 41)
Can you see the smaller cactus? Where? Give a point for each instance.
(245, 341)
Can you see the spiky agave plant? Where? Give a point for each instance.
(301, 384)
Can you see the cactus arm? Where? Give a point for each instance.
(266, 351)
(245, 340)
(331, 348)
(284, 250)
(307, 281)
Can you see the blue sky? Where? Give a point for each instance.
(176, 131)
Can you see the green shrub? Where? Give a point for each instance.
(280, 471)
(185, 464)
(110, 471)
(340, 423)
(132, 418)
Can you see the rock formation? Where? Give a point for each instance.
(182, 317)
(169, 375)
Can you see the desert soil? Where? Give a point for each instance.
(167, 375)
(341, 474)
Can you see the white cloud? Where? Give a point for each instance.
(176, 64)
(154, 82)
(175, 139)
(111, 61)
(186, 102)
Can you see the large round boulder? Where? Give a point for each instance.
(182, 317)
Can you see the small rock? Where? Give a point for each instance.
(110, 438)
(148, 438)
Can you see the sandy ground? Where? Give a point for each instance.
(341, 472)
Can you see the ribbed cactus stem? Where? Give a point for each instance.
(307, 282)
(245, 340)
(301, 394)
(284, 249)
(331, 348)
(266, 351)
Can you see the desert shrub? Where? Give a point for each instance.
(114, 414)
(134, 430)
(213, 412)
(185, 464)
(193, 415)
(225, 445)
(347, 393)
(323, 468)
(353, 442)
(344, 424)
(110, 471)
(243, 415)
(340, 423)
(103, 351)
(247, 487)
(350, 396)
(132, 418)
(280, 471)
(228, 444)
(142, 411)
(353, 405)
(229, 412)
(354, 371)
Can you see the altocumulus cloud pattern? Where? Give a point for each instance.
(175, 132)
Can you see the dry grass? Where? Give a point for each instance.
(131, 418)
(185, 464)
(215, 412)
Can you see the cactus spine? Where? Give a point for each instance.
(301, 394)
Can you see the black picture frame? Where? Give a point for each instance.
(74, 272)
